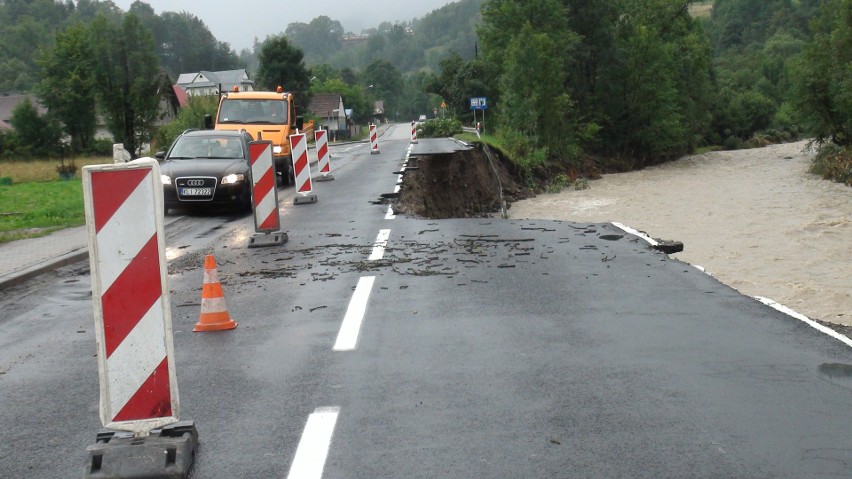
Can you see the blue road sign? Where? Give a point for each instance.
(478, 103)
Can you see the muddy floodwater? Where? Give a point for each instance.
(755, 219)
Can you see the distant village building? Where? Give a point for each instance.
(328, 107)
(213, 83)
(9, 101)
(170, 99)
(354, 39)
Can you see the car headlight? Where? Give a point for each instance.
(231, 179)
(276, 150)
(166, 179)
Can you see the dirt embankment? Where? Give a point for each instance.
(466, 184)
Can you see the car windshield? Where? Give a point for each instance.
(189, 147)
(273, 112)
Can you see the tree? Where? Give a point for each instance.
(282, 64)
(190, 116)
(127, 76)
(34, 134)
(823, 91)
(460, 80)
(540, 109)
(318, 39)
(387, 84)
(67, 87)
(185, 44)
(416, 100)
(620, 78)
(27, 26)
(354, 97)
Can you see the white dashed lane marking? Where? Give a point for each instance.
(380, 245)
(347, 337)
(313, 447)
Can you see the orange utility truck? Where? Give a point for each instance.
(266, 115)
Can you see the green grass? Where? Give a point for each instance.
(28, 210)
(489, 140)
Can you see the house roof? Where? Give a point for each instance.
(8, 102)
(181, 95)
(227, 79)
(324, 104)
(186, 78)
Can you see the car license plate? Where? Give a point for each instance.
(196, 191)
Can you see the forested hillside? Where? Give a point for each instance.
(419, 44)
(29, 27)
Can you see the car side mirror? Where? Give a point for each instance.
(160, 155)
(208, 121)
(300, 122)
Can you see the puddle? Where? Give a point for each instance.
(836, 371)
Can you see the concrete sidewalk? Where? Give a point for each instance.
(24, 259)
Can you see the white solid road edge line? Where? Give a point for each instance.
(313, 447)
(632, 231)
(380, 245)
(780, 307)
(349, 330)
(801, 317)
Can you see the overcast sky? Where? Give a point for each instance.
(238, 22)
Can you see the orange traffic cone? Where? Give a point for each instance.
(214, 315)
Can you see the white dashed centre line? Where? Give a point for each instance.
(313, 447)
(380, 245)
(351, 327)
(390, 215)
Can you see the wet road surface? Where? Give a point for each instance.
(374, 345)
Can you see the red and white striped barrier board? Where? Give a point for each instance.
(264, 194)
(323, 158)
(130, 294)
(413, 132)
(374, 140)
(301, 166)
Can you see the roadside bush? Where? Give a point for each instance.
(35, 135)
(521, 151)
(100, 147)
(732, 143)
(190, 116)
(833, 163)
(557, 183)
(439, 128)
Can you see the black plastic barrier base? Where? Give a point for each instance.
(328, 177)
(268, 239)
(167, 453)
(305, 200)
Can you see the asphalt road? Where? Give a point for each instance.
(487, 348)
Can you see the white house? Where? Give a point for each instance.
(212, 83)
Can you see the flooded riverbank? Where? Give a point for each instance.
(755, 219)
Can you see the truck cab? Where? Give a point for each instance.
(265, 116)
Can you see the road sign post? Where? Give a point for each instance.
(479, 103)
